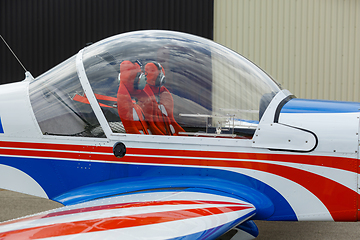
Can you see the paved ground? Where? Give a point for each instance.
(13, 205)
(308, 230)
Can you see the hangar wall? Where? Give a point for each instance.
(312, 48)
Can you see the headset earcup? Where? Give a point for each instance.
(142, 81)
(136, 81)
(139, 81)
(157, 81)
(160, 80)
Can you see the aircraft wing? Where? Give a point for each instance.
(166, 214)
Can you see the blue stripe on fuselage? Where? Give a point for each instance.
(1, 127)
(297, 105)
(57, 177)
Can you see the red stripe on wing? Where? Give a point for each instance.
(118, 206)
(112, 223)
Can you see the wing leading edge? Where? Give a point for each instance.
(149, 215)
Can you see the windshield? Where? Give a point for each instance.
(155, 82)
(52, 98)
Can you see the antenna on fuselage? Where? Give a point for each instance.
(28, 76)
(13, 53)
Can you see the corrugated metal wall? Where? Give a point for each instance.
(44, 33)
(311, 47)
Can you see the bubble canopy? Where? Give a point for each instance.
(153, 82)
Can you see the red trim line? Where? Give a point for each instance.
(106, 98)
(82, 99)
(52, 146)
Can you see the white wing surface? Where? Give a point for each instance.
(146, 215)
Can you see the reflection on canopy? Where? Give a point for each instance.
(160, 83)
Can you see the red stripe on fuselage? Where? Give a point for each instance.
(55, 147)
(83, 152)
(335, 196)
(339, 200)
(348, 164)
(103, 224)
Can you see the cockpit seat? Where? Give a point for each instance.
(133, 101)
(163, 113)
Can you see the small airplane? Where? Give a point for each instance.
(166, 135)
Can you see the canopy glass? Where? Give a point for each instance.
(155, 82)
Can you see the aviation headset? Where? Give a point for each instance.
(140, 79)
(160, 80)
